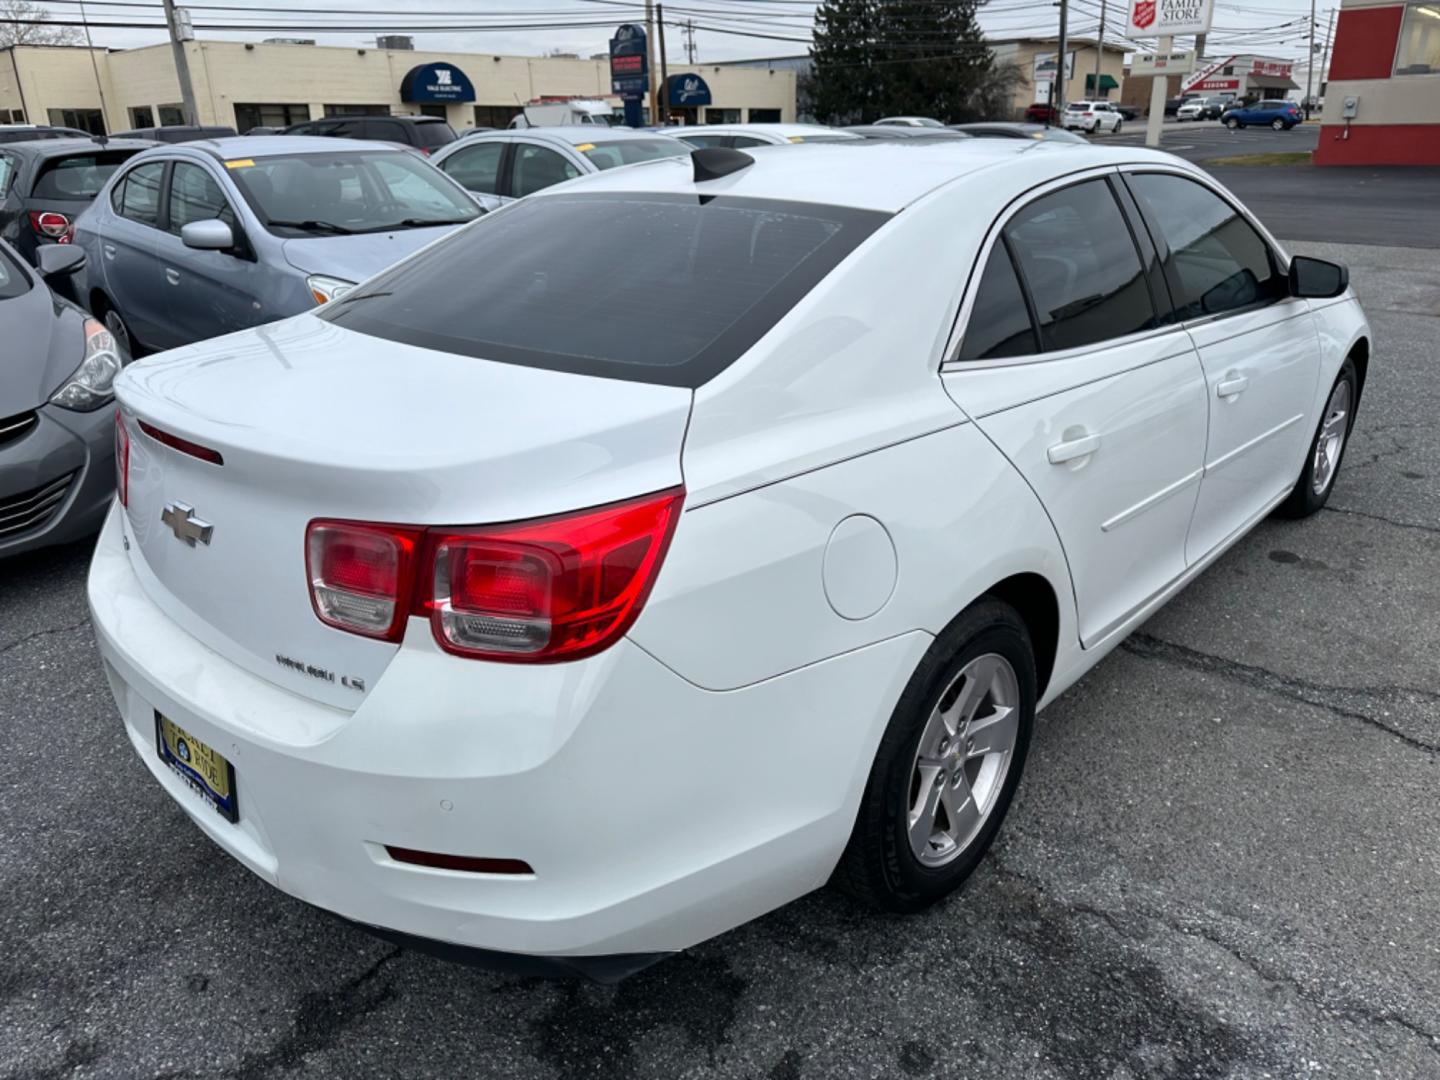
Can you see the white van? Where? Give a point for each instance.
(564, 114)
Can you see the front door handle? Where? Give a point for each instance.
(172, 276)
(1071, 449)
(109, 251)
(1232, 384)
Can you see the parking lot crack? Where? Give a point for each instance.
(9, 646)
(1352, 702)
(1381, 518)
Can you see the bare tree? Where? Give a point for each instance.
(24, 23)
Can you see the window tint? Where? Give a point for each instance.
(537, 168)
(999, 320)
(78, 176)
(195, 196)
(608, 155)
(537, 283)
(1081, 267)
(431, 135)
(476, 168)
(1217, 262)
(140, 199)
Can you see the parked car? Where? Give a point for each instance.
(911, 121)
(45, 185)
(741, 136)
(891, 132)
(1209, 108)
(1002, 129)
(30, 132)
(1092, 116)
(179, 133)
(1127, 112)
(607, 574)
(57, 437)
(506, 165)
(1280, 115)
(201, 239)
(1042, 113)
(1172, 105)
(425, 133)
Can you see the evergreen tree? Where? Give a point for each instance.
(877, 58)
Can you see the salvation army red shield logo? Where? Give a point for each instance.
(1144, 16)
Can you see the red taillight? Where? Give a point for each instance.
(185, 446)
(49, 223)
(361, 575)
(554, 589)
(122, 459)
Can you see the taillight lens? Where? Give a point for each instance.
(49, 223)
(554, 589)
(122, 459)
(360, 576)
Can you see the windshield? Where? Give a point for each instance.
(607, 155)
(79, 176)
(570, 282)
(349, 192)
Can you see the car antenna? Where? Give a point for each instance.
(713, 162)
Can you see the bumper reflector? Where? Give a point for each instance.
(467, 863)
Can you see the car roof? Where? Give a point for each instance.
(570, 134)
(254, 146)
(61, 147)
(783, 131)
(877, 174)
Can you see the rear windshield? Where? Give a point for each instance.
(433, 134)
(78, 176)
(331, 194)
(657, 288)
(607, 155)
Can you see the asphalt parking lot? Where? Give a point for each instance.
(1224, 860)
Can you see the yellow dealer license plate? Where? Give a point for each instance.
(205, 770)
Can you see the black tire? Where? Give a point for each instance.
(878, 866)
(1303, 499)
(1118, 125)
(1278, 125)
(1233, 124)
(115, 322)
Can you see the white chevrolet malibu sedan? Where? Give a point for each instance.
(677, 540)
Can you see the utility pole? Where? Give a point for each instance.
(1060, 68)
(1310, 63)
(1099, 49)
(95, 69)
(1325, 53)
(649, 60)
(664, 67)
(690, 40)
(182, 63)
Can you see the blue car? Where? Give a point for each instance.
(191, 241)
(1280, 115)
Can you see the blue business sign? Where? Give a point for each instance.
(688, 91)
(436, 82)
(629, 62)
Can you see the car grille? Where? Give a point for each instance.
(32, 509)
(16, 427)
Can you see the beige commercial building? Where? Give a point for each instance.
(1037, 60)
(244, 85)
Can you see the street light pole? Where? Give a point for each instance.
(1060, 67)
(182, 64)
(1310, 63)
(1099, 50)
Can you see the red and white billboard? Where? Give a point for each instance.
(1160, 18)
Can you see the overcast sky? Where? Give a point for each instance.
(1273, 27)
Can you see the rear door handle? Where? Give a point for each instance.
(109, 251)
(172, 276)
(1071, 449)
(1233, 383)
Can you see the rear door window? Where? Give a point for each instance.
(569, 282)
(999, 324)
(140, 196)
(537, 168)
(476, 168)
(1081, 267)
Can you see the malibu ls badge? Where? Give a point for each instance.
(182, 521)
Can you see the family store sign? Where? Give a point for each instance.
(1162, 18)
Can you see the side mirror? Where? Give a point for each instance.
(210, 235)
(1316, 278)
(59, 260)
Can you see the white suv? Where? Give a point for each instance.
(1092, 116)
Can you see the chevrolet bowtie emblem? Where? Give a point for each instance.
(185, 525)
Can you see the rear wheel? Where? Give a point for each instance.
(115, 323)
(1118, 125)
(1327, 449)
(948, 764)
(1278, 124)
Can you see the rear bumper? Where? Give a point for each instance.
(653, 813)
(63, 444)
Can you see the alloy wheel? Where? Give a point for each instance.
(1331, 441)
(116, 325)
(962, 759)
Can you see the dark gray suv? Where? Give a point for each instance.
(425, 133)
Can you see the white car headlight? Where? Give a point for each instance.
(89, 386)
(324, 289)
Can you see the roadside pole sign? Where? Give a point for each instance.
(1170, 63)
(1165, 18)
(630, 70)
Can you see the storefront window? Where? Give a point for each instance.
(171, 115)
(1419, 52)
(722, 116)
(495, 116)
(85, 119)
(272, 116)
(141, 116)
(764, 116)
